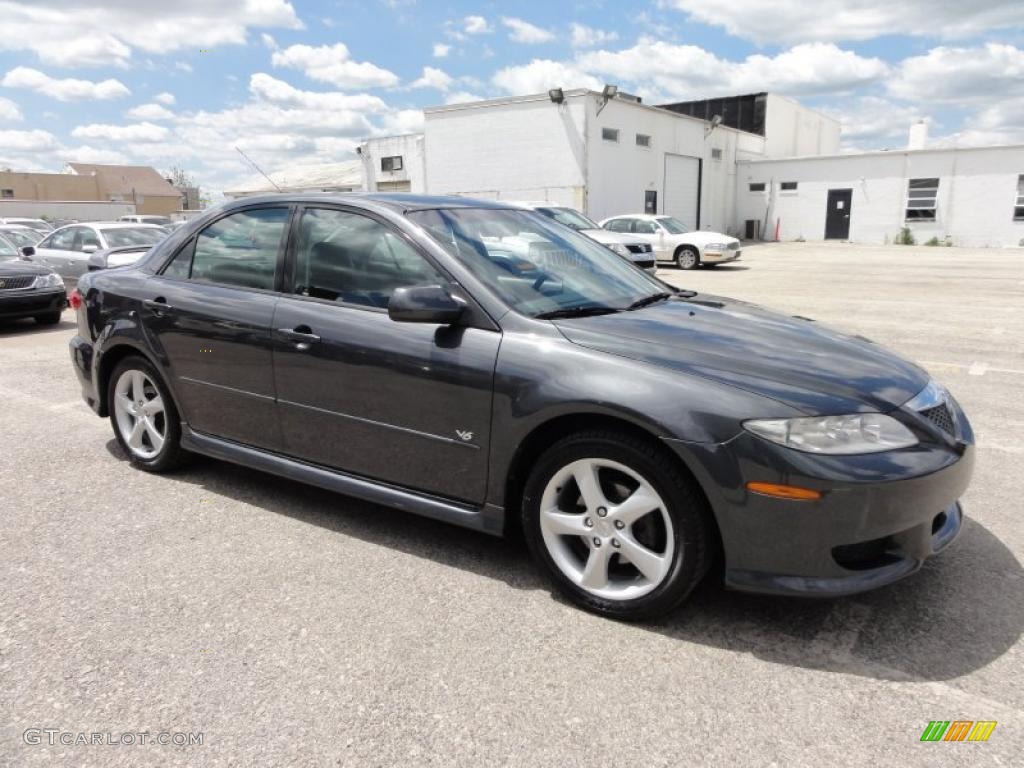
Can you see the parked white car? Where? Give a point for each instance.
(37, 224)
(144, 218)
(637, 250)
(66, 250)
(673, 242)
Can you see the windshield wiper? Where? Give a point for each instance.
(648, 300)
(583, 311)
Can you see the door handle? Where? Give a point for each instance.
(302, 335)
(159, 306)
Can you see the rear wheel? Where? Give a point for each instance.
(50, 318)
(145, 421)
(618, 527)
(687, 257)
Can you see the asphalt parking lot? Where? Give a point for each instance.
(292, 626)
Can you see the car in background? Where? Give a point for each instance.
(39, 225)
(19, 235)
(67, 250)
(31, 290)
(116, 257)
(9, 250)
(674, 242)
(636, 250)
(136, 218)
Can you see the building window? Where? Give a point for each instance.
(788, 186)
(393, 163)
(643, 140)
(1018, 207)
(716, 154)
(610, 134)
(6, 193)
(921, 195)
(757, 187)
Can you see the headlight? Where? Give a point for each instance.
(619, 248)
(716, 247)
(857, 433)
(51, 280)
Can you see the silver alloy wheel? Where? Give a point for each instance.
(686, 259)
(139, 413)
(607, 529)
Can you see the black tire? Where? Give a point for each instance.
(171, 454)
(683, 254)
(685, 503)
(51, 318)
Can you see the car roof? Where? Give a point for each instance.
(397, 201)
(15, 226)
(114, 224)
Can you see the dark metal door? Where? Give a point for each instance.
(650, 202)
(837, 214)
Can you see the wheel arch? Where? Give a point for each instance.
(114, 354)
(686, 247)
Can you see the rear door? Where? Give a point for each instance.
(403, 403)
(208, 314)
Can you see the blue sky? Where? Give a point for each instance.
(300, 82)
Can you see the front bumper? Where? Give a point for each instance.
(879, 518)
(31, 302)
(719, 257)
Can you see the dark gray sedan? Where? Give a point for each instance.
(489, 367)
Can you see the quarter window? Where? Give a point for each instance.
(353, 259)
(610, 134)
(393, 163)
(921, 197)
(1018, 206)
(241, 249)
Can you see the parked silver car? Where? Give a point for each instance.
(67, 249)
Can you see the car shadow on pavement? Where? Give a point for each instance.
(961, 612)
(29, 327)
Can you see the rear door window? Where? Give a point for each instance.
(240, 250)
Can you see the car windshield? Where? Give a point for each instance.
(569, 217)
(674, 226)
(21, 237)
(534, 265)
(121, 236)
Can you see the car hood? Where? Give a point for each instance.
(792, 360)
(20, 267)
(702, 238)
(606, 236)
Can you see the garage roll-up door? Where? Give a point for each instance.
(682, 188)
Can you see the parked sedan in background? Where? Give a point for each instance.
(67, 249)
(39, 225)
(30, 290)
(9, 250)
(674, 242)
(116, 257)
(19, 235)
(629, 247)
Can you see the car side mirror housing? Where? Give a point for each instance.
(425, 304)
(28, 251)
(90, 248)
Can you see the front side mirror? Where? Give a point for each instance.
(424, 304)
(96, 262)
(90, 248)
(28, 251)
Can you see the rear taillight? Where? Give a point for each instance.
(75, 299)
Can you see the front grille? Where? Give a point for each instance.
(642, 248)
(941, 417)
(16, 282)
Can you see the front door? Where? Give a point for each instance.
(209, 314)
(837, 214)
(405, 403)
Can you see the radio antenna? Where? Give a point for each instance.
(259, 170)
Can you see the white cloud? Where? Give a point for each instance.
(793, 21)
(68, 89)
(79, 34)
(433, 78)
(685, 71)
(989, 73)
(999, 123)
(279, 92)
(461, 97)
(268, 41)
(871, 121)
(331, 64)
(137, 132)
(540, 75)
(583, 36)
(165, 98)
(441, 50)
(524, 32)
(149, 112)
(475, 25)
(183, 66)
(87, 154)
(27, 141)
(401, 121)
(10, 111)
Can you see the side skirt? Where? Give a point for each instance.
(486, 519)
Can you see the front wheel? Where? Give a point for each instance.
(146, 423)
(687, 257)
(620, 529)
